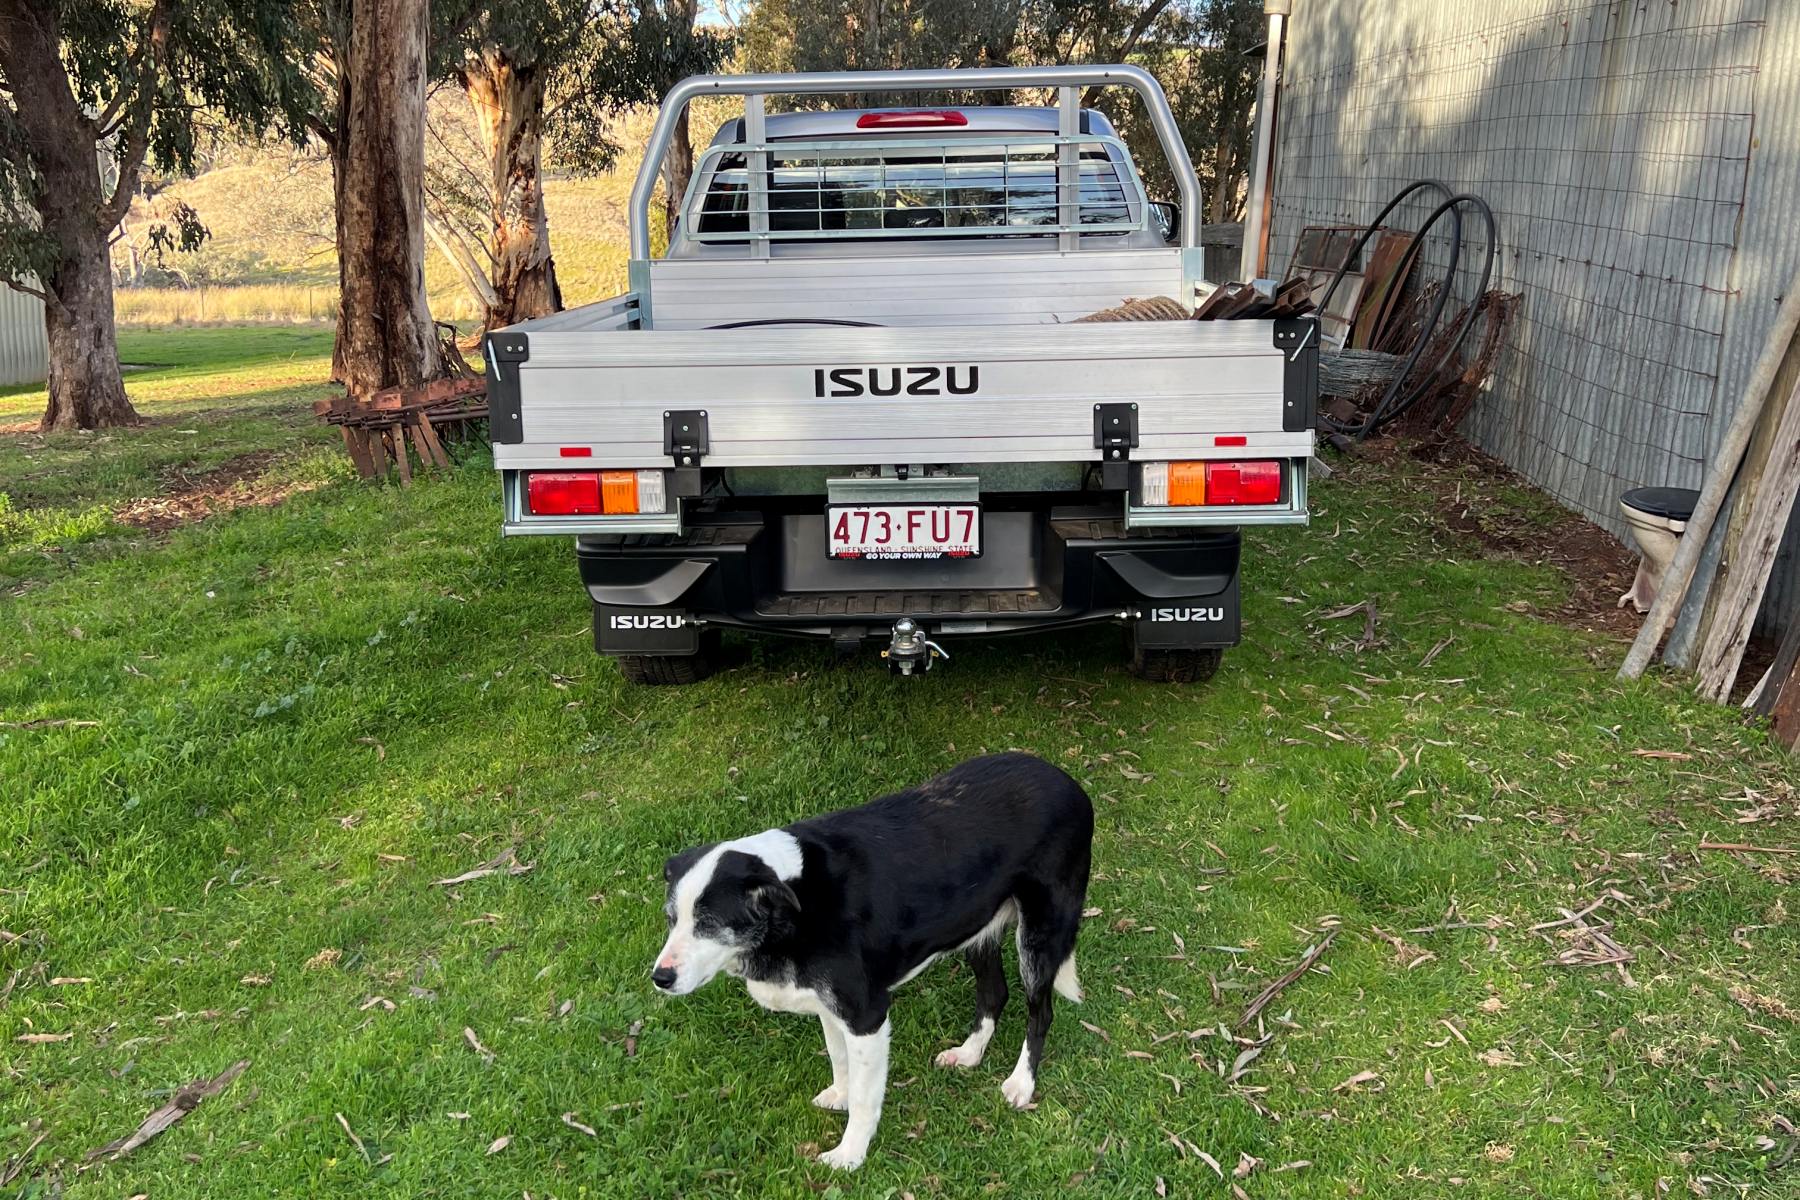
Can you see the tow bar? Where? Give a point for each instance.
(910, 650)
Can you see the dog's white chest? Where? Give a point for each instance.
(785, 997)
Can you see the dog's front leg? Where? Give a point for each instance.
(836, 1097)
(868, 1060)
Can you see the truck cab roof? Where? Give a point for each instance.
(976, 119)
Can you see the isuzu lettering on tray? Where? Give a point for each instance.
(839, 382)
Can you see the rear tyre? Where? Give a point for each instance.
(1173, 665)
(671, 670)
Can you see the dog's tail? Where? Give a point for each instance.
(1066, 984)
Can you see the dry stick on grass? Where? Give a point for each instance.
(16, 1166)
(1594, 947)
(1575, 918)
(356, 1141)
(185, 1100)
(1313, 955)
(507, 862)
(1370, 618)
(1435, 651)
(1746, 848)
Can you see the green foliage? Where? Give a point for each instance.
(1197, 49)
(591, 60)
(847, 35)
(1200, 53)
(216, 64)
(26, 254)
(188, 235)
(38, 528)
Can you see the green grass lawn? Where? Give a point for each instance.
(216, 401)
(236, 756)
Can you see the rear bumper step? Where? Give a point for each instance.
(769, 571)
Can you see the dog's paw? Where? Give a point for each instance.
(959, 1056)
(1018, 1090)
(834, 1098)
(841, 1159)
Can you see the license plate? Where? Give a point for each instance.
(917, 531)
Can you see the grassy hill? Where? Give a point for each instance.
(270, 255)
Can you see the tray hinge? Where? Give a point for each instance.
(1115, 436)
(686, 440)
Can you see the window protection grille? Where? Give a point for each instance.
(910, 187)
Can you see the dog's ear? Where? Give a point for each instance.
(679, 864)
(771, 896)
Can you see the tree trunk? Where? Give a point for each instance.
(1225, 179)
(678, 166)
(339, 170)
(337, 147)
(386, 335)
(86, 390)
(678, 172)
(508, 99)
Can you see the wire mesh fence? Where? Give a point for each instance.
(1613, 142)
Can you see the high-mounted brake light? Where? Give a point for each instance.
(592, 493)
(923, 118)
(1192, 484)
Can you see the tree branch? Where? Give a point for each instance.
(136, 144)
(451, 246)
(16, 286)
(1139, 27)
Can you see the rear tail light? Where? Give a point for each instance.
(1243, 483)
(1193, 484)
(592, 493)
(933, 118)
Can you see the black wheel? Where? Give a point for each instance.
(1180, 665)
(670, 670)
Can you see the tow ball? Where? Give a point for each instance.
(909, 650)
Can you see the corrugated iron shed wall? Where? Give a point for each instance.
(1643, 161)
(23, 354)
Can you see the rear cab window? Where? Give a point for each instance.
(1007, 188)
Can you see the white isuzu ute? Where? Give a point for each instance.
(851, 401)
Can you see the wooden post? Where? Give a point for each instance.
(431, 440)
(1780, 697)
(1769, 483)
(415, 427)
(1673, 587)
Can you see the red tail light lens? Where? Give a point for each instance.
(1243, 483)
(563, 493)
(935, 118)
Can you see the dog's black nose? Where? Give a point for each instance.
(663, 977)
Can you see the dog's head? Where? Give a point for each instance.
(722, 902)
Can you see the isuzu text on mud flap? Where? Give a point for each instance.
(854, 401)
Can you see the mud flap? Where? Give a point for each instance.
(1192, 622)
(644, 631)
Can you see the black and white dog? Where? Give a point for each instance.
(829, 915)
